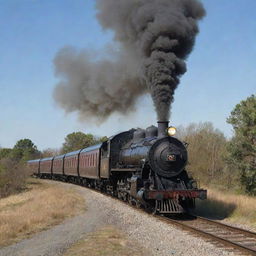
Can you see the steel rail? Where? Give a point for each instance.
(231, 228)
(225, 241)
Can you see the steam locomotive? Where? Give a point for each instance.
(144, 167)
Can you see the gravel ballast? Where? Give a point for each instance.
(158, 237)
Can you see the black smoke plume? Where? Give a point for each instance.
(154, 39)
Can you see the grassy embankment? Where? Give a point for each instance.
(107, 241)
(227, 205)
(36, 209)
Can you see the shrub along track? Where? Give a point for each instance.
(231, 238)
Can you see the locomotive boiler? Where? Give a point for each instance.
(144, 167)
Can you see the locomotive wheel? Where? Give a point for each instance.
(130, 200)
(119, 196)
(85, 183)
(155, 208)
(138, 204)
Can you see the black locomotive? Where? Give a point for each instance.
(143, 167)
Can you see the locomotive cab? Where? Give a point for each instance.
(104, 160)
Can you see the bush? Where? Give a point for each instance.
(13, 176)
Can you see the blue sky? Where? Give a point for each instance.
(221, 69)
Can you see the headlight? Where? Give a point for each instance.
(172, 131)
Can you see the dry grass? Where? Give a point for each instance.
(108, 242)
(40, 207)
(221, 204)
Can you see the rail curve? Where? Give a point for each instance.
(235, 239)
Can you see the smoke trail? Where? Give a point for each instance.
(96, 88)
(155, 37)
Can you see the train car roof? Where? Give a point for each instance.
(46, 159)
(73, 153)
(91, 148)
(33, 161)
(59, 157)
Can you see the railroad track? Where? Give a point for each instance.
(236, 240)
(239, 241)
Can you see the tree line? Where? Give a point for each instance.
(214, 160)
(221, 162)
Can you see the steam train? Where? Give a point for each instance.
(144, 167)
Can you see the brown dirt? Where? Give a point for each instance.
(107, 241)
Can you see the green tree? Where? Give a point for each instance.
(79, 140)
(242, 147)
(24, 150)
(102, 139)
(5, 152)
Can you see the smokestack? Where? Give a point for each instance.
(162, 128)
